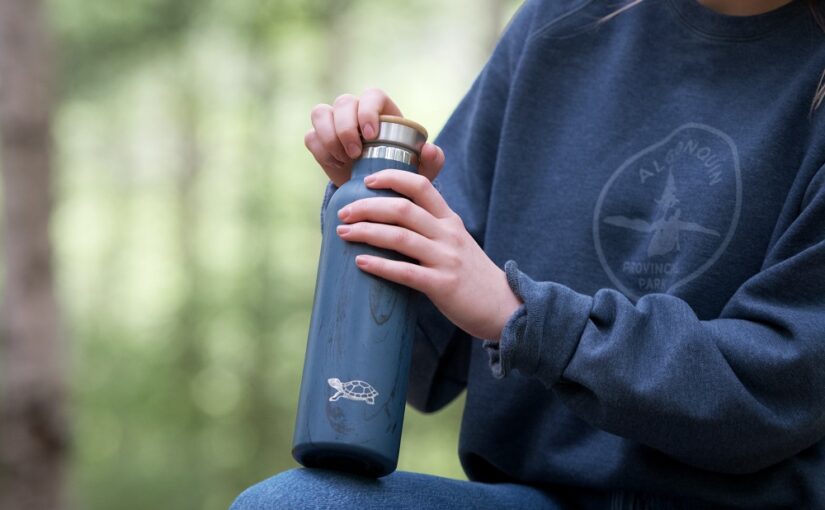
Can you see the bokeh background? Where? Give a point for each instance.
(185, 224)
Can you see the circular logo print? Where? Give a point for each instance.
(668, 213)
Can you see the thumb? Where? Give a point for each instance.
(431, 161)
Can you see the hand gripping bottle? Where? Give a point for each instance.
(354, 384)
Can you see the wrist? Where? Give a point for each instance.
(506, 305)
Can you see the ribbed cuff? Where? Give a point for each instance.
(499, 351)
(541, 336)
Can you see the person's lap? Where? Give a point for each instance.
(315, 488)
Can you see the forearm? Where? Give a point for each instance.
(733, 394)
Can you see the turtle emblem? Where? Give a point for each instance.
(353, 390)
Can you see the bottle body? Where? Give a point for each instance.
(354, 383)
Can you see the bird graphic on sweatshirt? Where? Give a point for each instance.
(668, 225)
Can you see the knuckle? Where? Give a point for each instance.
(343, 99)
(309, 137)
(331, 162)
(373, 91)
(347, 132)
(422, 184)
(451, 259)
(448, 282)
(331, 145)
(319, 111)
(456, 237)
(456, 219)
(409, 274)
(456, 224)
(401, 237)
(404, 207)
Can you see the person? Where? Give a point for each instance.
(621, 243)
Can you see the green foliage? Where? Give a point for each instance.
(187, 231)
(98, 40)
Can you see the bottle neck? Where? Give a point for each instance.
(393, 152)
(376, 157)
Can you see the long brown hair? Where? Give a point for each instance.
(819, 16)
(816, 9)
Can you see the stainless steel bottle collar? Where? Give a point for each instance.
(399, 139)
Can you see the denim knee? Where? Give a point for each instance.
(269, 493)
(304, 488)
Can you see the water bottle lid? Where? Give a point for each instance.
(401, 132)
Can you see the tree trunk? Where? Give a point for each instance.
(260, 302)
(33, 433)
(191, 314)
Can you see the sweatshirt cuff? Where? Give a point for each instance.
(541, 336)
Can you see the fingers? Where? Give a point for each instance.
(392, 210)
(324, 125)
(345, 119)
(374, 102)
(338, 128)
(431, 161)
(338, 172)
(418, 188)
(392, 237)
(420, 278)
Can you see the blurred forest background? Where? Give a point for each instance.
(183, 232)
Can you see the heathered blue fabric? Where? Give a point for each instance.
(654, 188)
(320, 489)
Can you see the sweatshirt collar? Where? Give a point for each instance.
(723, 26)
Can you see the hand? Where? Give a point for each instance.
(454, 272)
(335, 137)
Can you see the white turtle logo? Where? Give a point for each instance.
(352, 390)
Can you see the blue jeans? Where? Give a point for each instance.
(317, 489)
(321, 489)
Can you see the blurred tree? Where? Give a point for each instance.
(33, 435)
(100, 41)
(188, 334)
(259, 281)
(186, 225)
(335, 27)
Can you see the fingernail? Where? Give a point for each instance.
(369, 131)
(369, 179)
(361, 260)
(343, 213)
(353, 150)
(343, 229)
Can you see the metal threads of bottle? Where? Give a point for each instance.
(398, 139)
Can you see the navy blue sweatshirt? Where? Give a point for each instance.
(654, 188)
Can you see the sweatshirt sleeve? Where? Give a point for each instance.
(734, 394)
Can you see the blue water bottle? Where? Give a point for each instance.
(354, 384)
